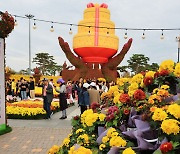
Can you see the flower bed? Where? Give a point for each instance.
(38, 92)
(138, 115)
(29, 109)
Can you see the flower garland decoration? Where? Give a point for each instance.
(6, 24)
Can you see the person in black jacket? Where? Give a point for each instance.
(32, 88)
(47, 92)
(62, 98)
(84, 102)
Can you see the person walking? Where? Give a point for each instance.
(47, 91)
(62, 97)
(32, 88)
(94, 94)
(84, 99)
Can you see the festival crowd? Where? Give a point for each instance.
(85, 91)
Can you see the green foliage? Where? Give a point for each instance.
(122, 68)
(137, 63)
(46, 64)
(153, 67)
(158, 152)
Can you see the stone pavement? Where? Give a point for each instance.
(36, 136)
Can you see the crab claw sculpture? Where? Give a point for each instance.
(95, 46)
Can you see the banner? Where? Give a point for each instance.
(2, 87)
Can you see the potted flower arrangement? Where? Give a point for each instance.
(6, 24)
(138, 115)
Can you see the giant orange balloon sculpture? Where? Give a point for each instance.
(95, 43)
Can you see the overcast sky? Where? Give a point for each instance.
(125, 13)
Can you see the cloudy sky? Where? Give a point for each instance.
(125, 13)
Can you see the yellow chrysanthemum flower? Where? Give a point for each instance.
(101, 116)
(128, 151)
(54, 149)
(66, 142)
(80, 150)
(80, 130)
(170, 126)
(159, 115)
(167, 65)
(150, 74)
(110, 131)
(133, 86)
(105, 139)
(137, 78)
(165, 87)
(102, 146)
(131, 93)
(174, 110)
(177, 70)
(83, 137)
(116, 99)
(117, 141)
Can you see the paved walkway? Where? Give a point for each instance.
(36, 136)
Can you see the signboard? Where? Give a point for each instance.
(2, 87)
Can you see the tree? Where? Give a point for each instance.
(24, 72)
(138, 63)
(46, 63)
(122, 68)
(154, 67)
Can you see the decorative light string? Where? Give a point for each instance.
(89, 31)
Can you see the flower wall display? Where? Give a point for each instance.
(6, 24)
(28, 109)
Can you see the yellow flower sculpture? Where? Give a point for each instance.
(170, 126)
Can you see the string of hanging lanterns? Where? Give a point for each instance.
(108, 28)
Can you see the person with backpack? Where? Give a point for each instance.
(84, 98)
(62, 98)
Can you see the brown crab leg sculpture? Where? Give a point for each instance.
(109, 69)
